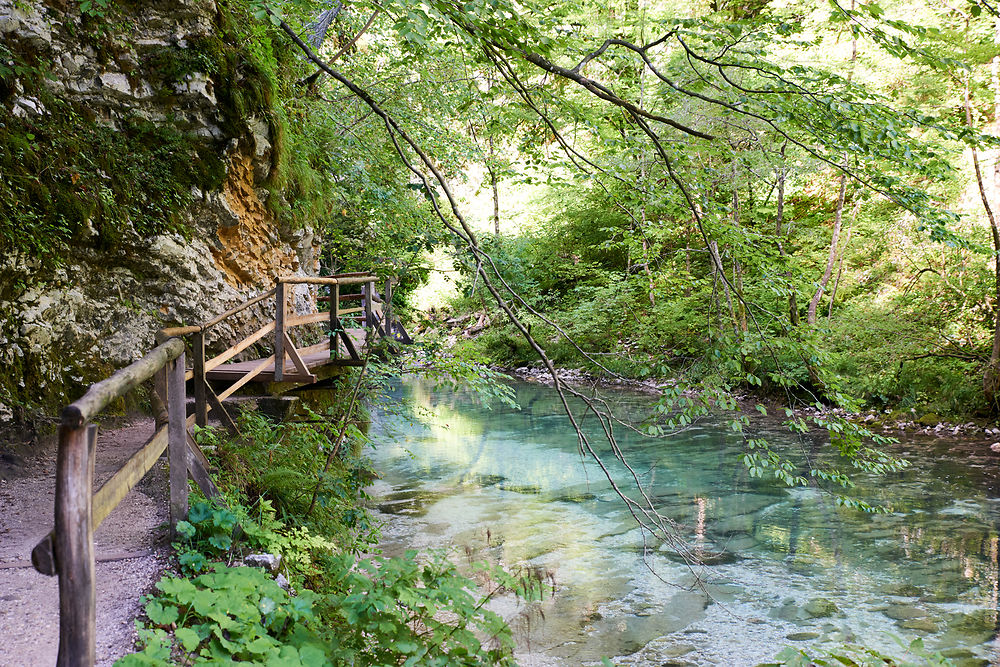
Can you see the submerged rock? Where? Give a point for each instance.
(920, 624)
(820, 608)
(904, 612)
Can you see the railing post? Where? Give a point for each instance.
(369, 290)
(280, 306)
(177, 440)
(74, 546)
(387, 309)
(334, 321)
(160, 389)
(200, 382)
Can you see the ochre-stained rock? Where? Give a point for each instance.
(99, 309)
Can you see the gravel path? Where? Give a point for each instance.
(131, 547)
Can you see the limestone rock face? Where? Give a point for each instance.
(99, 310)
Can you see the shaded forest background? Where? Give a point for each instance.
(808, 222)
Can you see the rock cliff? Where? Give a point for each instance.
(68, 317)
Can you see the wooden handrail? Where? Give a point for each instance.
(199, 328)
(311, 318)
(222, 358)
(343, 297)
(236, 309)
(69, 549)
(356, 278)
(327, 280)
(175, 332)
(251, 374)
(100, 395)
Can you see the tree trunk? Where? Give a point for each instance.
(741, 316)
(793, 306)
(741, 310)
(832, 255)
(719, 271)
(649, 272)
(840, 262)
(838, 220)
(991, 376)
(494, 186)
(642, 179)
(688, 290)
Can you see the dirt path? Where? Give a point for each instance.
(131, 548)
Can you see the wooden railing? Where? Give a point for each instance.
(68, 550)
(372, 313)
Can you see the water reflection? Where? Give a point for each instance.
(782, 566)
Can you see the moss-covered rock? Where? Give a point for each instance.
(132, 155)
(820, 608)
(929, 419)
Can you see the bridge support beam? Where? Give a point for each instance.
(280, 311)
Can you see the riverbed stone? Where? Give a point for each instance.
(977, 623)
(903, 612)
(789, 610)
(903, 591)
(920, 624)
(820, 608)
(678, 650)
(958, 653)
(940, 598)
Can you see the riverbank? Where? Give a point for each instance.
(890, 422)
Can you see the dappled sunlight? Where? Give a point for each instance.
(509, 485)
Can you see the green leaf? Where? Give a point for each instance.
(267, 606)
(221, 542)
(185, 529)
(161, 615)
(188, 638)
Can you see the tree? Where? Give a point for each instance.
(720, 103)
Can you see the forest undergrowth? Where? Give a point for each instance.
(324, 595)
(907, 334)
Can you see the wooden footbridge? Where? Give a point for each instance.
(348, 334)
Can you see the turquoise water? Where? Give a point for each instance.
(783, 567)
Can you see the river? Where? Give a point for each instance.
(785, 566)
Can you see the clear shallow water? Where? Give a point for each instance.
(784, 566)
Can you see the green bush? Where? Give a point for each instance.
(231, 616)
(341, 609)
